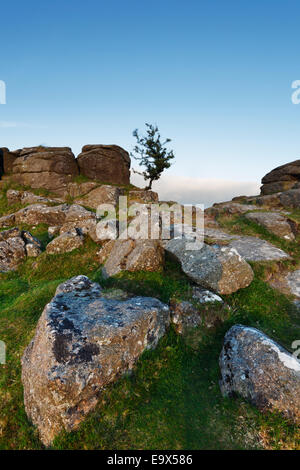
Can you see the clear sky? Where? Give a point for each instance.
(214, 75)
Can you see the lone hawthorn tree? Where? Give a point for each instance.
(152, 154)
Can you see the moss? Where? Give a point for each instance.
(172, 399)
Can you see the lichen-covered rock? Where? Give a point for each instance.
(7, 221)
(35, 214)
(184, 316)
(219, 269)
(143, 196)
(12, 252)
(276, 223)
(66, 242)
(105, 251)
(105, 163)
(290, 199)
(26, 197)
(293, 282)
(51, 168)
(15, 245)
(133, 255)
(83, 342)
(80, 189)
(229, 208)
(260, 370)
(53, 231)
(104, 194)
(255, 249)
(205, 296)
(33, 246)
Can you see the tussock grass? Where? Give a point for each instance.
(172, 398)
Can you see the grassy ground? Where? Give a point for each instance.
(172, 399)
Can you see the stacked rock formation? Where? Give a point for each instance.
(51, 168)
(54, 168)
(282, 178)
(106, 163)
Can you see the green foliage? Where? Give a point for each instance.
(152, 153)
(172, 398)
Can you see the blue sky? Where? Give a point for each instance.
(215, 76)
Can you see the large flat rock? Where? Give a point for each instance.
(220, 269)
(256, 249)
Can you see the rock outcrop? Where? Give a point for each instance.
(276, 223)
(132, 255)
(282, 178)
(15, 245)
(27, 197)
(8, 158)
(105, 194)
(83, 342)
(256, 368)
(219, 269)
(51, 168)
(250, 248)
(66, 242)
(105, 163)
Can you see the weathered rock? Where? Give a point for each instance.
(250, 248)
(83, 342)
(26, 197)
(229, 208)
(33, 246)
(105, 163)
(276, 187)
(133, 255)
(276, 223)
(66, 242)
(53, 231)
(219, 269)
(51, 168)
(217, 235)
(290, 199)
(15, 245)
(80, 189)
(104, 194)
(105, 251)
(205, 296)
(184, 316)
(293, 281)
(35, 214)
(8, 159)
(255, 249)
(261, 371)
(282, 178)
(143, 196)
(107, 230)
(7, 221)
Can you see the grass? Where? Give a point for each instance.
(172, 399)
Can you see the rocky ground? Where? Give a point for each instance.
(134, 344)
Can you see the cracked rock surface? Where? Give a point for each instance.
(83, 342)
(258, 369)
